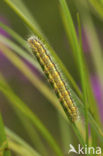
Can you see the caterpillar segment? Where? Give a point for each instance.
(54, 76)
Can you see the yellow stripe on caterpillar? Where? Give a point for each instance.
(54, 76)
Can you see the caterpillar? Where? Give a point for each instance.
(53, 76)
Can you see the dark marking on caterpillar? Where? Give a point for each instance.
(54, 76)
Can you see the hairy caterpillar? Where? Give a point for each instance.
(54, 76)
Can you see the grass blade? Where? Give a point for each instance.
(20, 105)
(4, 151)
(23, 12)
(56, 104)
(92, 37)
(19, 51)
(51, 50)
(31, 132)
(30, 24)
(31, 77)
(96, 50)
(35, 81)
(14, 35)
(98, 6)
(78, 54)
(19, 141)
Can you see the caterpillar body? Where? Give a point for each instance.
(54, 76)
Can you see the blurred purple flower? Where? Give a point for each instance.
(94, 79)
(98, 92)
(85, 44)
(4, 61)
(5, 21)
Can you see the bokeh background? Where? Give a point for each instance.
(48, 15)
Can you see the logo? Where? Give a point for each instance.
(84, 150)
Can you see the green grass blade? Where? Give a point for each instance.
(89, 92)
(95, 48)
(56, 104)
(59, 63)
(32, 133)
(92, 37)
(86, 89)
(84, 79)
(98, 130)
(18, 149)
(4, 151)
(19, 51)
(78, 54)
(65, 133)
(25, 15)
(14, 35)
(20, 105)
(15, 138)
(31, 77)
(9, 43)
(98, 6)
(91, 100)
(37, 32)
(35, 81)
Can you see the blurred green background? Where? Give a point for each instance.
(47, 13)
